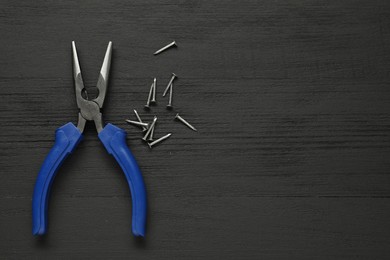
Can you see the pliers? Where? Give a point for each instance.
(68, 136)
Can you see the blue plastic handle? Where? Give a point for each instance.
(114, 140)
(66, 139)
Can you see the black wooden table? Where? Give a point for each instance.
(291, 99)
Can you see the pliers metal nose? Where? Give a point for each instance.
(68, 136)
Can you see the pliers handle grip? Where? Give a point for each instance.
(67, 138)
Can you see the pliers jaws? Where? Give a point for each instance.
(90, 109)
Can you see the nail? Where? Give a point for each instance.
(165, 47)
(149, 96)
(185, 122)
(154, 91)
(169, 106)
(169, 83)
(137, 123)
(159, 140)
(150, 129)
(139, 119)
(151, 134)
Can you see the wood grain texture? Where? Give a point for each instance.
(291, 99)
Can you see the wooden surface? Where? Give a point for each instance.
(291, 99)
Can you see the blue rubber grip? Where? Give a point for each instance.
(66, 139)
(114, 140)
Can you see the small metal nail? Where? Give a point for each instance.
(184, 122)
(139, 120)
(149, 96)
(159, 140)
(165, 47)
(169, 84)
(150, 129)
(137, 123)
(167, 88)
(151, 134)
(169, 106)
(154, 91)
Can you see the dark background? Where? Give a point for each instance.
(291, 99)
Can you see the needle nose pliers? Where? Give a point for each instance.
(68, 136)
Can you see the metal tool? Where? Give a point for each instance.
(169, 106)
(165, 47)
(169, 84)
(68, 136)
(159, 140)
(178, 117)
(137, 123)
(139, 120)
(150, 129)
(154, 91)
